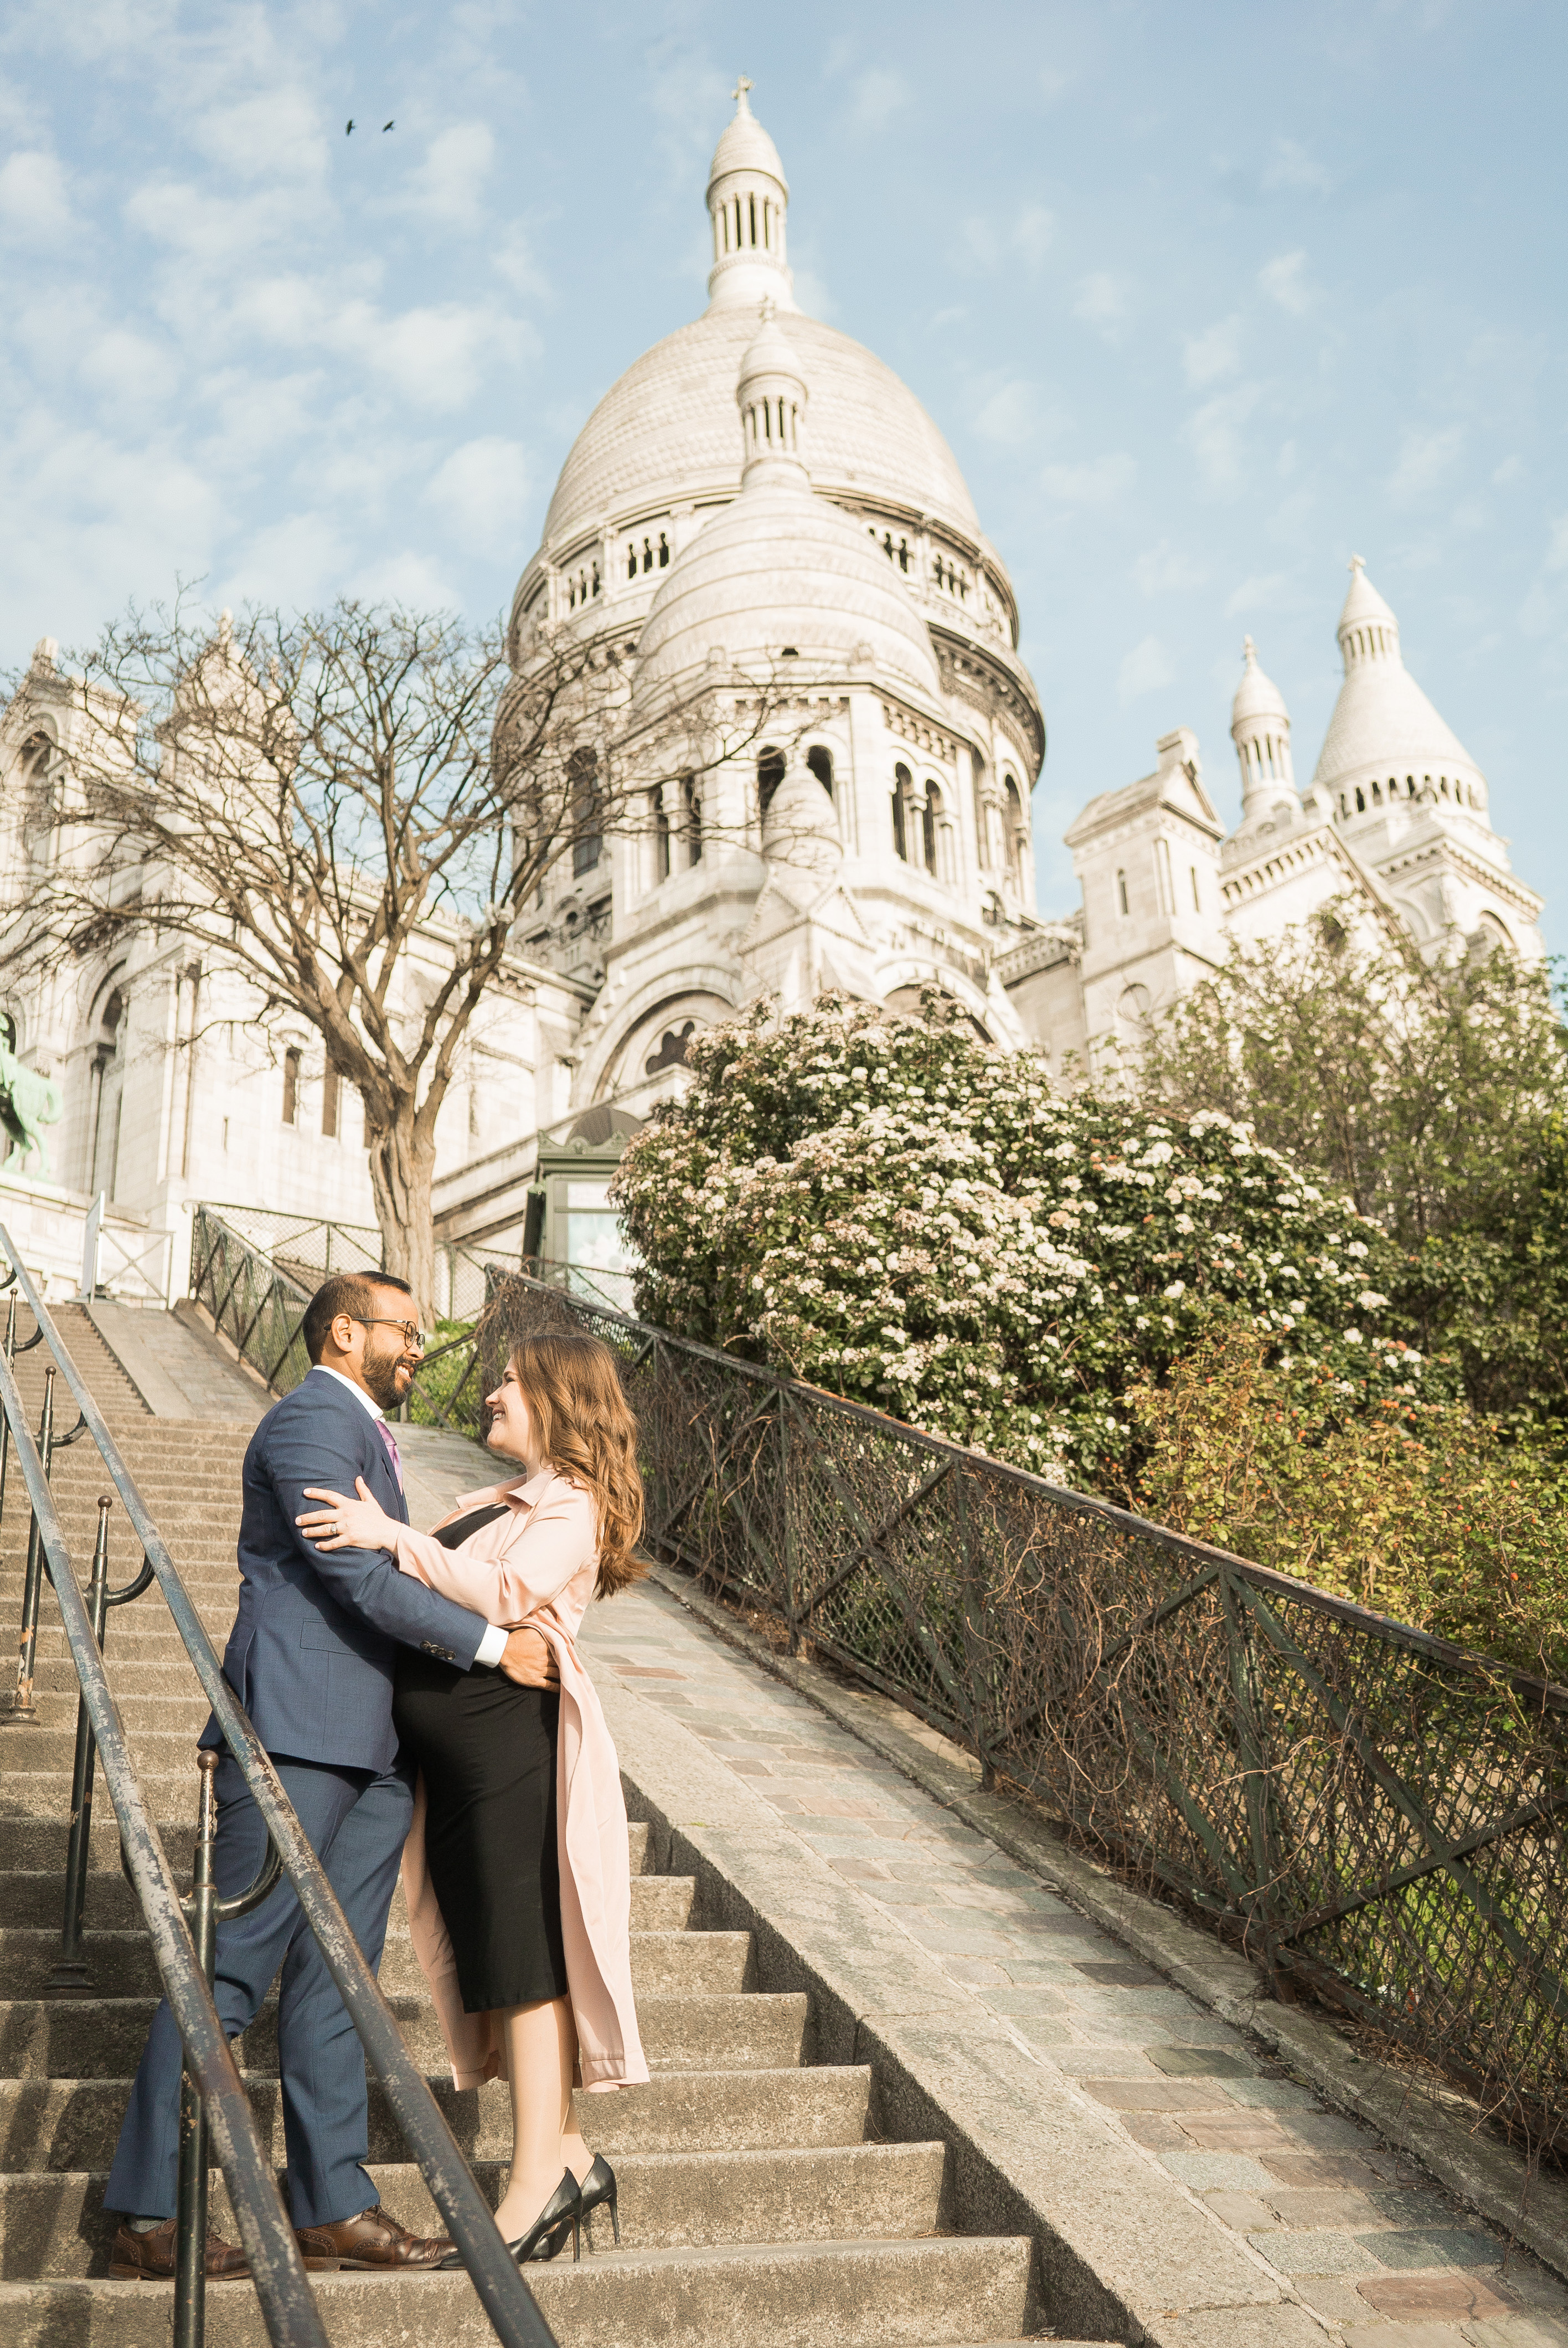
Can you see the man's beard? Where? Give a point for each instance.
(380, 1375)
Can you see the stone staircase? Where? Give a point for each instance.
(756, 2204)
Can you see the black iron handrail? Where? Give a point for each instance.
(1368, 1807)
(506, 2299)
(287, 2305)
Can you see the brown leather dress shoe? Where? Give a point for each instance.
(151, 2256)
(370, 2243)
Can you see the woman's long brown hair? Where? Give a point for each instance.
(571, 1383)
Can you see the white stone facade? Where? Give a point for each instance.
(758, 496)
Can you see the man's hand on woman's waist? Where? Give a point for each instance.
(528, 1659)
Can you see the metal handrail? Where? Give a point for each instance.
(287, 2305)
(506, 2300)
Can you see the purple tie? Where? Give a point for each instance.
(391, 1451)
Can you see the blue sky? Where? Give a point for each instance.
(1205, 296)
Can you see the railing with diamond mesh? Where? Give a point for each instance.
(1370, 1812)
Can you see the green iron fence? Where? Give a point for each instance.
(1367, 1810)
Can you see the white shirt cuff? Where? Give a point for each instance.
(492, 1647)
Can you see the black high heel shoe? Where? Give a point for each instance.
(597, 2187)
(545, 2237)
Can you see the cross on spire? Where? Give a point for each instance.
(1356, 562)
(738, 93)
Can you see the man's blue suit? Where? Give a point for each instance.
(311, 1658)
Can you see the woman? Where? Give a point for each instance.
(515, 1872)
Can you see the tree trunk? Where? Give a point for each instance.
(402, 1173)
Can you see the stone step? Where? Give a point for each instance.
(32, 1900)
(673, 1964)
(854, 2294)
(53, 2224)
(102, 2037)
(37, 1843)
(59, 2123)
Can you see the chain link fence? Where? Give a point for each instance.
(1367, 1811)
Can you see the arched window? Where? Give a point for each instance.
(660, 834)
(692, 819)
(903, 785)
(663, 552)
(632, 560)
(1015, 839)
(928, 819)
(1197, 900)
(1162, 876)
(290, 1085)
(820, 761)
(1122, 892)
(587, 809)
(770, 775)
(1361, 801)
(982, 820)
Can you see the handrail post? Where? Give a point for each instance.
(23, 1710)
(70, 1977)
(191, 2197)
(204, 1912)
(4, 1422)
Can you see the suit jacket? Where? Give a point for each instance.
(313, 1648)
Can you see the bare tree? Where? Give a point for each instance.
(326, 801)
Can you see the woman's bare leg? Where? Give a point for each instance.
(542, 2049)
(574, 2152)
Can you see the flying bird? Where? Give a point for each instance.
(348, 125)
(389, 126)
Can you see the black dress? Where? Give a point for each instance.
(487, 1750)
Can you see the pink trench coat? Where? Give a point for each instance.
(540, 1565)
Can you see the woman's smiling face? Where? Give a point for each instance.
(511, 1420)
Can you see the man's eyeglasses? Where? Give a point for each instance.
(413, 1334)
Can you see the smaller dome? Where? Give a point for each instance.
(782, 572)
(1363, 604)
(1256, 696)
(745, 145)
(770, 352)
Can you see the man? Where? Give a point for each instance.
(311, 1658)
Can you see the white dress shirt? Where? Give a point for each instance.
(493, 1646)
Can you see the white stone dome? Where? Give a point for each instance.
(745, 145)
(783, 568)
(1383, 718)
(666, 431)
(1256, 696)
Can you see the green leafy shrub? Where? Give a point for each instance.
(888, 1209)
(1427, 1514)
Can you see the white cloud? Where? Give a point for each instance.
(1033, 234)
(1265, 591)
(1423, 460)
(1508, 471)
(1557, 546)
(1283, 279)
(1215, 352)
(1165, 570)
(482, 492)
(122, 364)
(1292, 165)
(1101, 304)
(448, 185)
(1010, 415)
(295, 562)
(1144, 669)
(34, 200)
(514, 260)
(275, 134)
(1215, 436)
(1097, 482)
(879, 96)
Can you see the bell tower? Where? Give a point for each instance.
(748, 202)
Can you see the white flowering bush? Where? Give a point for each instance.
(888, 1209)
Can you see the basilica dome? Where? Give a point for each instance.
(666, 431)
(781, 573)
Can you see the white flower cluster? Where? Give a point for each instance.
(888, 1209)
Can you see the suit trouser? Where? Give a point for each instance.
(357, 1823)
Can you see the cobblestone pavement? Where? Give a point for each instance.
(1354, 2231)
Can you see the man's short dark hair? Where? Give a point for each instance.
(354, 1292)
